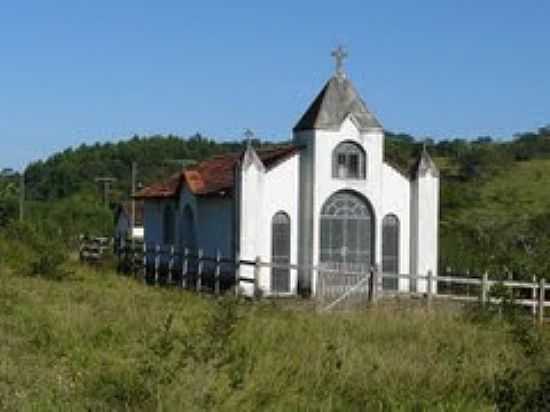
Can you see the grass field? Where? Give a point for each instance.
(98, 341)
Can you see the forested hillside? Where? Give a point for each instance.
(76, 169)
(495, 195)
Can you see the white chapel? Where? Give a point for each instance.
(328, 200)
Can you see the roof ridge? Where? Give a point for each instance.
(338, 99)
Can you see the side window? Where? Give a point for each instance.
(349, 161)
(390, 250)
(280, 252)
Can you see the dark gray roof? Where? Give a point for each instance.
(337, 100)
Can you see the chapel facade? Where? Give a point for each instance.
(328, 200)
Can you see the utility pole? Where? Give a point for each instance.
(134, 177)
(22, 196)
(107, 181)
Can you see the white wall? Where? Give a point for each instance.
(306, 185)
(425, 227)
(396, 200)
(263, 194)
(387, 190)
(325, 185)
(250, 193)
(282, 195)
(138, 232)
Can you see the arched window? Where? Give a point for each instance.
(348, 161)
(280, 252)
(168, 225)
(390, 250)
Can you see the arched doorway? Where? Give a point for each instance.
(347, 233)
(188, 235)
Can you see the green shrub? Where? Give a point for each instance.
(523, 389)
(525, 386)
(30, 251)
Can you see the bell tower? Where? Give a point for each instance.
(337, 115)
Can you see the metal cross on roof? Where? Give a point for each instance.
(339, 55)
(249, 135)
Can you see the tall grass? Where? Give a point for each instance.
(97, 341)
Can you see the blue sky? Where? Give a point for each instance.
(75, 72)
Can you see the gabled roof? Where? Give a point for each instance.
(337, 100)
(215, 175)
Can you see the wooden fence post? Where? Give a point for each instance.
(157, 263)
(323, 286)
(379, 281)
(448, 285)
(257, 268)
(361, 295)
(430, 289)
(199, 270)
(217, 273)
(484, 288)
(144, 259)
(185, 268)
(374, 285)
(237, 274)
(171, 265)
(135, 266)
(131, 256)
(542, 294)
(467, 285)
(534, 297)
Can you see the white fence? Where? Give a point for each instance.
(194, 270)
(93, 249)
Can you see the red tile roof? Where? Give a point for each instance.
(161, 189)
(215, 175)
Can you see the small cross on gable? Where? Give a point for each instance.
(339, 55)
